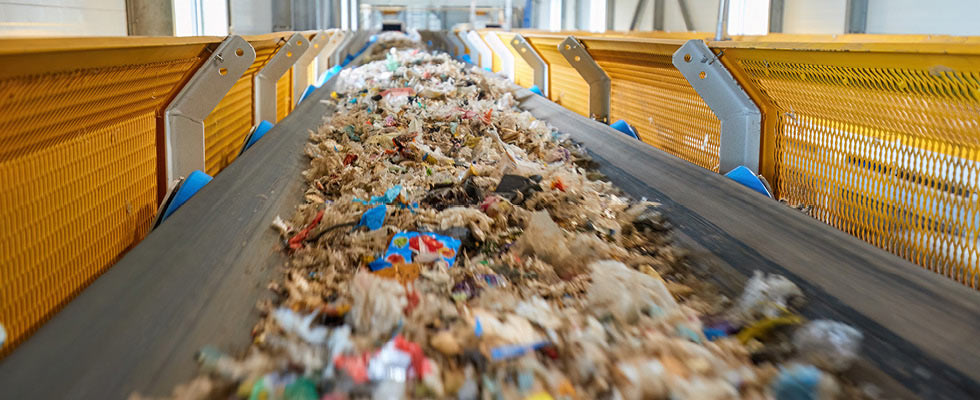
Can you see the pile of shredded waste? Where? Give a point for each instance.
(450, 245)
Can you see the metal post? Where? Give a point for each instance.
(776, 15)
(600, 85)
(264, 89)
(184, 116)
(658, 15)
(741, 120)
(637, 12)
(722, 26)
(533, 59)
(857, 16)
(686, 15)
(610, 15)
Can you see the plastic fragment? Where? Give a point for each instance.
(301, 325)
(830, 345)
(373, 218)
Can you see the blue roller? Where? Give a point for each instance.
(257, 134)
(194, 182)
(536, 90)
(624, 127)
(749, 179)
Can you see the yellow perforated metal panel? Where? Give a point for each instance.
(883, 143)
(523, 74)
(78, 162)
(652, 96)
(566, 86)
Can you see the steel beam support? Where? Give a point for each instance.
(721, 28)
(483, 53)
(301, 70)
(184, 116)
(600, 85)
(506, 57)
(776, 8)
(636, 14)
(533, 59)
(264, 86)
(857, 16)
(741, 120)
(686, 15)
(338, 55)
(658, 15)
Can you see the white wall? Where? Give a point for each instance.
(947, 17)
(251, 17)
(62, 17)
(809, 16)
(704, 14)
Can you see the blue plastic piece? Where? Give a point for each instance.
(714, 333)
(624, 127)
(466, 58)
(333, 71)
(373, 218)
(309, 90)
(747, 178)
(799, 382)
(194, 182)
(536, 90)
(429, 43)
(257, 134)
(487, 69)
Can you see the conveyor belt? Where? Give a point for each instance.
(194, 281)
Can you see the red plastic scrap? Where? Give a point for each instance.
(415, 351)
(402, 90)
(350, 158)
(355, 366)
(486, 116)
(296, 241)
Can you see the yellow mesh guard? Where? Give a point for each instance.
(226, 128)
(523, 74)
(566, 86)
(882, 143)
(78, 162)
(652, 96)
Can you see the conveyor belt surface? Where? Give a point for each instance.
(194, 281)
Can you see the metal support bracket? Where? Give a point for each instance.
(341, 51)
(301, 70)
(323, 61)
(264, 91)
(467, 47)
(483, 52)
(506, 57)
(600, 85)
(184, 116)
(533, 59)
(741, 120)
(458, 45)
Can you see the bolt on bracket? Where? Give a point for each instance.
(184, 116)
(264, 99)
(533, 59)
(741, 120)
(600, 85)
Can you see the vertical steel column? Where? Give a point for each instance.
(184, 116)
(741, 120)
(533, 59)
(776, 15)
(857, 16)
(600, 85)
(264, 91)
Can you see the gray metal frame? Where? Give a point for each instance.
(459, 48)
(301, 71)
(184, 116)
(856, 19)
(336, 39)
(341, 51)
(741, 120)
(600, 85)
(537, 63)
(264, 90)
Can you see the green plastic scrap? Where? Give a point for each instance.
(351, 133)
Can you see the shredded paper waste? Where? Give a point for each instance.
(450, 245)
